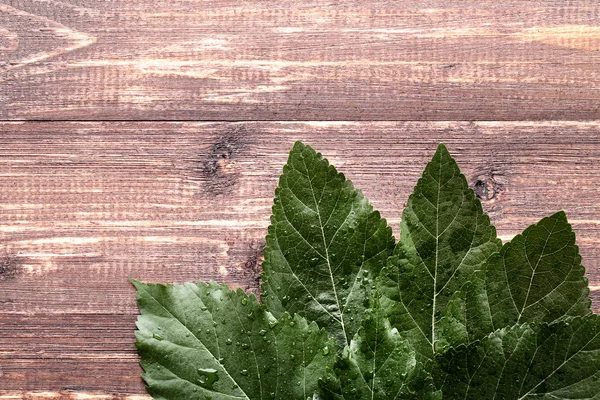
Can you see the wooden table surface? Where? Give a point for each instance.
(144, 138)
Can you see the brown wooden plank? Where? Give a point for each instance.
(290, 60)
(84, 206)
(67, 395)
(68, 354)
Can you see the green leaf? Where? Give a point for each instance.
(445, 238)
(449, 309)
(379, 364)
(207, 341)
(325, 246)
(536, 277)
(528, 361)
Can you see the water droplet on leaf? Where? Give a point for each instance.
(208, 377)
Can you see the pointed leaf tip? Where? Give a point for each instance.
(137, 284)
(560, 215)
(442, 150)
(299, 152)
(299, 146)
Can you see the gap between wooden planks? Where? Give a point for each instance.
(84, 206)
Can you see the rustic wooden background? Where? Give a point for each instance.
(143, 138)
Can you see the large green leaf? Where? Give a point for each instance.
(536, 277)
(206, 341)
(379, 364)
(445, 238)
(528, 361)
(325, 245)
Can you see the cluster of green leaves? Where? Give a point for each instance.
(447, 312)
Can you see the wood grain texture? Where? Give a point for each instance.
(288, 60)
(84, 206)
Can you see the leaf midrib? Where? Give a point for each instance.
(534, 269)
(327, 254)
(260, 382)
(437, 249)
(375, 361)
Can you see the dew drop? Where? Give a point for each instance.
(208, 377)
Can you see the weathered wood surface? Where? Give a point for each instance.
(84, 206)
(291, 60)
